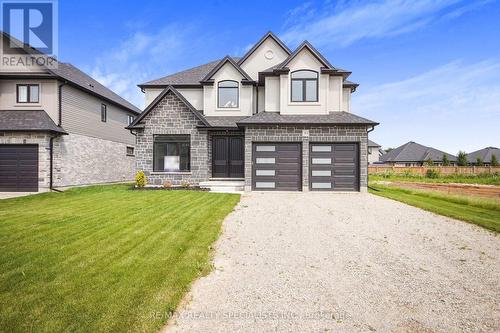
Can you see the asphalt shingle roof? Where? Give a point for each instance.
(414, 152)
(373, 144)
(332, 118)
(485, 155)
(28, 120)
(224, 121)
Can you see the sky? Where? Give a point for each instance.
(429, 71)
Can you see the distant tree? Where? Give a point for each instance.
(388, 149)
(494, 161)
(429, 162)
(479, 161)
(446, 161)
(462, 158)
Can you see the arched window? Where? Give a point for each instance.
(227, 94)
(304, 86)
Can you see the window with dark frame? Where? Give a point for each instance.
(172, 153)
(304, 86)
(130, 119)
(130, 151)
(227, 94)
(28, 93)
(104, 113)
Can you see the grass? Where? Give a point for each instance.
(103, 258)
(485, 179)
(483, 212)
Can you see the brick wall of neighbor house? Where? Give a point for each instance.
(171, 116)
(82, 160)
(43, 141)
(284, 133)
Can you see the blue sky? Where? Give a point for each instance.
(429, 70)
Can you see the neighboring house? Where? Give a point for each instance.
(375, 152)
(414, 154)
(484, 154)
(59, 127)
(271, 120)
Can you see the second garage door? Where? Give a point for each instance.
(277, 167)
(334, 167)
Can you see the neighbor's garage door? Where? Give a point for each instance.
(334, 167)
(277, 166)
(18, 168)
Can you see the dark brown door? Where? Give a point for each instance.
(227, 157)
(277, 167)
(18, 168)
(334, 167)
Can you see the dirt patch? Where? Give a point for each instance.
(488, 191)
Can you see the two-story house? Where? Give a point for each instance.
(273, 120)
(58, 126)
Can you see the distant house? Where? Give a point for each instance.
(484, 154)
(375, 152)
(414, 154)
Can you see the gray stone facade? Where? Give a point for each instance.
(43, 142)
(305, 135)
(82, 160)
(171, 116)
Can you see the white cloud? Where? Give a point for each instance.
(139, 58)
(348, 22)
(452, 107)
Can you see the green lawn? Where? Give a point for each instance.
(103, 258)
(483, 212)
(485, 179)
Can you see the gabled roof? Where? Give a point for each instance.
(484, 154)
(269, 34)
(414, 152)
(333, 118)
(74, 76)
(221, 63)
(306, 45)
(373, 144)
(135, 124)
(28, 120)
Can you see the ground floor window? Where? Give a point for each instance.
(171, 153)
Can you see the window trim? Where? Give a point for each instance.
(133, 151)
(104, 116)
(304, 99)
(28, 93)
(189, 153)
(237, 94)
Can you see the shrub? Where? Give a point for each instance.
(494, 161)
(428, 162)
(446, 161)
(167, 184)
(387, 174)
(432, 173)
(140, 179)
(185, 185)
(479, 161)
(462, 158)
(408, 174)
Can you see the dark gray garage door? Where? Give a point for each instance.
(277, 167)
(334, 167)
(18, 168)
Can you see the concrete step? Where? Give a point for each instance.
(224, 186)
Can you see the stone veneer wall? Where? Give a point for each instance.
(43, 142)
(171, 116)
(82, 160)
(288, 133)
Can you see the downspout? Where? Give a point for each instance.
(59, 121)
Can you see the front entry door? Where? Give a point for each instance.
(227, 157)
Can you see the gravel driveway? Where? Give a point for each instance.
(318, 262)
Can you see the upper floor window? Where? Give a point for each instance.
(104, 113)
(130, 119)
(227, 96)
(304, 86)
(28, 93)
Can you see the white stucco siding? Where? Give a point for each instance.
(272, 94)
(346, 99)
(304, 60)
(48, 97)
(335, 93)
(268, 54)
(245, 94)
(193, 96)
(150, 94)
